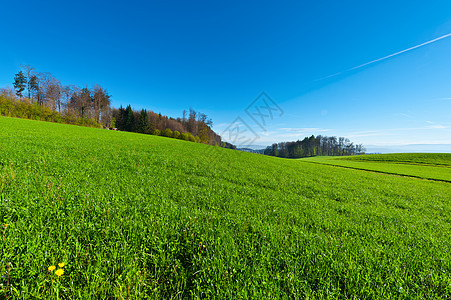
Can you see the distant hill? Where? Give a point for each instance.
(259, 151)
(254, 147)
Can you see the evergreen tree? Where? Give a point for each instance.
(142, 122)
(120, 119)
(130, 119)
(20, 82)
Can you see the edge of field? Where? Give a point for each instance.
(419, 171)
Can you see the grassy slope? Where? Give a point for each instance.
(425, 169)
(128, 214)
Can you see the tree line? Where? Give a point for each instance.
(45, 90)
(193, 126)
(11, 107)
(40, 95)
(313, 146)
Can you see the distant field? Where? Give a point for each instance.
(428, 167)
(136, 216)
(440, 159)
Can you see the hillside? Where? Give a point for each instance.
(136, 216)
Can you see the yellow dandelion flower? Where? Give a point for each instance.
(59, 272)
(51, 268)
(204, 246)
(61, 265)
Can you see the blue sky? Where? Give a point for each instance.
(217, 57)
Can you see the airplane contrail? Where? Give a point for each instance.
(388, 56)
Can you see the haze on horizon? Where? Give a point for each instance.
(378, 74)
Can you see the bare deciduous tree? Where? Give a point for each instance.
(101, 100)
(29, 72)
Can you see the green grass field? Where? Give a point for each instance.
(430, 166)
(433, 159)
(135, 216)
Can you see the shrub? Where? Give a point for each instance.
(183, 136)
(176, 134)
(191, 137)
(167, 132)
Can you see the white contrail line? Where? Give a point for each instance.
(397, 53)
(388, 56)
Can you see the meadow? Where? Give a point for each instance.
(136, 216)
(433, 159)
(429, 166)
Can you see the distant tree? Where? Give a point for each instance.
(54, 92)
(151, 122)
(19, 83)
(33, 87)
(81, 100)
(360, 149)
(228, 145)
(203, 128)
(121, 116)
(142, 122)
(129, 119)
(192, 124)
(29, 71)
(184, 118)
(49, 91)
(100, 101)
(66, 94)
(341, 145)
(43, 80)
(107, 116)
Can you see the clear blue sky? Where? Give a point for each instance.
(218, 56)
